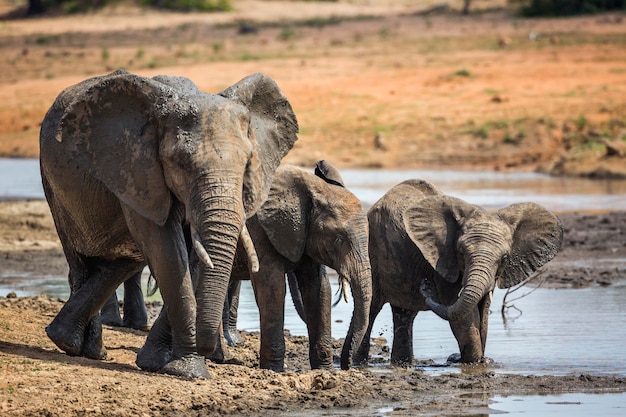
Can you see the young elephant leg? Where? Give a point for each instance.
(110, 312)
(471, 333)
(316, 299)
(229, 315)
(135, 312)
(269, 291)
(467, 334)
(402, 348)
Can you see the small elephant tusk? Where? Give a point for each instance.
(199, 248)
(248, 245)
(344, 288)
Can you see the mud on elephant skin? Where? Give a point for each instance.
(430, 251)
(128, 164)
(308, 222)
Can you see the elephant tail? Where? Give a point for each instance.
(296, 296)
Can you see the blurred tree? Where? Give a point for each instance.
(466, 6)
(566, 7)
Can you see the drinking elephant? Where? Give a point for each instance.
(308, 222)
(136, 168)
(430, 251)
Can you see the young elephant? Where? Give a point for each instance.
(430, 251)
(308, 221)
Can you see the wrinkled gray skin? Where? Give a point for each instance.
(308, 222)
(128, 164)
(434, 252)
(135, 312)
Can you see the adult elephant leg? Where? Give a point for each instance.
(402, 347)
(157, 349)
(269, 291)
(316, 299)
(166, 252)
(135, 312)
(76, 329)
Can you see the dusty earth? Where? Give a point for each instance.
(374, 84)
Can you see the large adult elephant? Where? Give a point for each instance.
(430, 251)
(135, 168)
(308, 222)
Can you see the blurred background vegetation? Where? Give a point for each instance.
(529, 8)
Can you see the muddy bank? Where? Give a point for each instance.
(37, 379)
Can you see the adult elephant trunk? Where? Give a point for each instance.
(361, 288)
(480, 279)
(218, 217)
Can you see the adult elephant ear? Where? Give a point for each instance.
(433, 224)
(285, 216)
(110, 124)
(537, 237)
(329, 173)
(273, 131)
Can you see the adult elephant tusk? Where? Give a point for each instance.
(199, 248)
(248, 245)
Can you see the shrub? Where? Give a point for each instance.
(566, 7)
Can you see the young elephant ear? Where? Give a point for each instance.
(285, 215)
(273, 130)
(537, 237)
(327, 171)
(110, 123)
(434, 224)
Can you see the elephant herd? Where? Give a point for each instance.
(154, 172)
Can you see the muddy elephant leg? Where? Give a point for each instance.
(468, 336)
(135, 312)
(229, 315)
(165, 250)
(76, 329)
(362, 354)
(110, 312)
(269, 291)
(402, 347)
(484, 306)
(157, 349)
(316, 299)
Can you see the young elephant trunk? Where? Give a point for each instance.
(361, 287)
(480, 280)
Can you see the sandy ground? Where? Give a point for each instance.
(374, 84)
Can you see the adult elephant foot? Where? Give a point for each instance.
(93, 347)
(67, 339)
(189, 367)
(153, 357)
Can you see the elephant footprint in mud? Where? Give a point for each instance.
(133, 169)
(430, 251)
